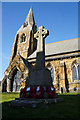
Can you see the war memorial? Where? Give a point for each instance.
(42, 80)
(34, 63)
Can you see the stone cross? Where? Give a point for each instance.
(40, 35)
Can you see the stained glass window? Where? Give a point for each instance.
(78, 72)
(14, 86)
(16, 82)
(52, 74)
(75, 73)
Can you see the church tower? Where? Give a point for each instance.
(25, 44)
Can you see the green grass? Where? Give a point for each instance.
(68, 109)
(6, 97)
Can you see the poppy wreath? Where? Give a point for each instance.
(41, 92)
(27, 94)
(51, 93)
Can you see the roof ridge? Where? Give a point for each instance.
(62, 41)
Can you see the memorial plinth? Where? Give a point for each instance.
(40, 75)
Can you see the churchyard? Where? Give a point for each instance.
(69, 108)
(37, 95)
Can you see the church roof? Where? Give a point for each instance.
(60, 47)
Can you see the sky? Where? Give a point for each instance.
(60, 18)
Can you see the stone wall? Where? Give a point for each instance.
(62, 73)
(61, 63)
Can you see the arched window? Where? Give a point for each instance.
(74, 73)
(78, 72)
(14, 85)
(52, 71)
(23, 38)
(16, 82)
(52, 74)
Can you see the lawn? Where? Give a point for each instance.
(68, 109)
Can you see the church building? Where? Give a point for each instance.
(61, 58)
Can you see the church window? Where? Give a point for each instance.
(52, 71)
(76, 72)
(14, 85)
(16, 82)
(52, 74)
(23, 38)
(25, 24)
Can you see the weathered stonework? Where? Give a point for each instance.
(61, 62)
(66, 83)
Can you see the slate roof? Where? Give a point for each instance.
(60, 47)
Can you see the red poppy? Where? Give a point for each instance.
(27, 93)
(51, 92)
(38, 94)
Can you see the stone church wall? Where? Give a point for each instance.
(60, 65)
(63, 77)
